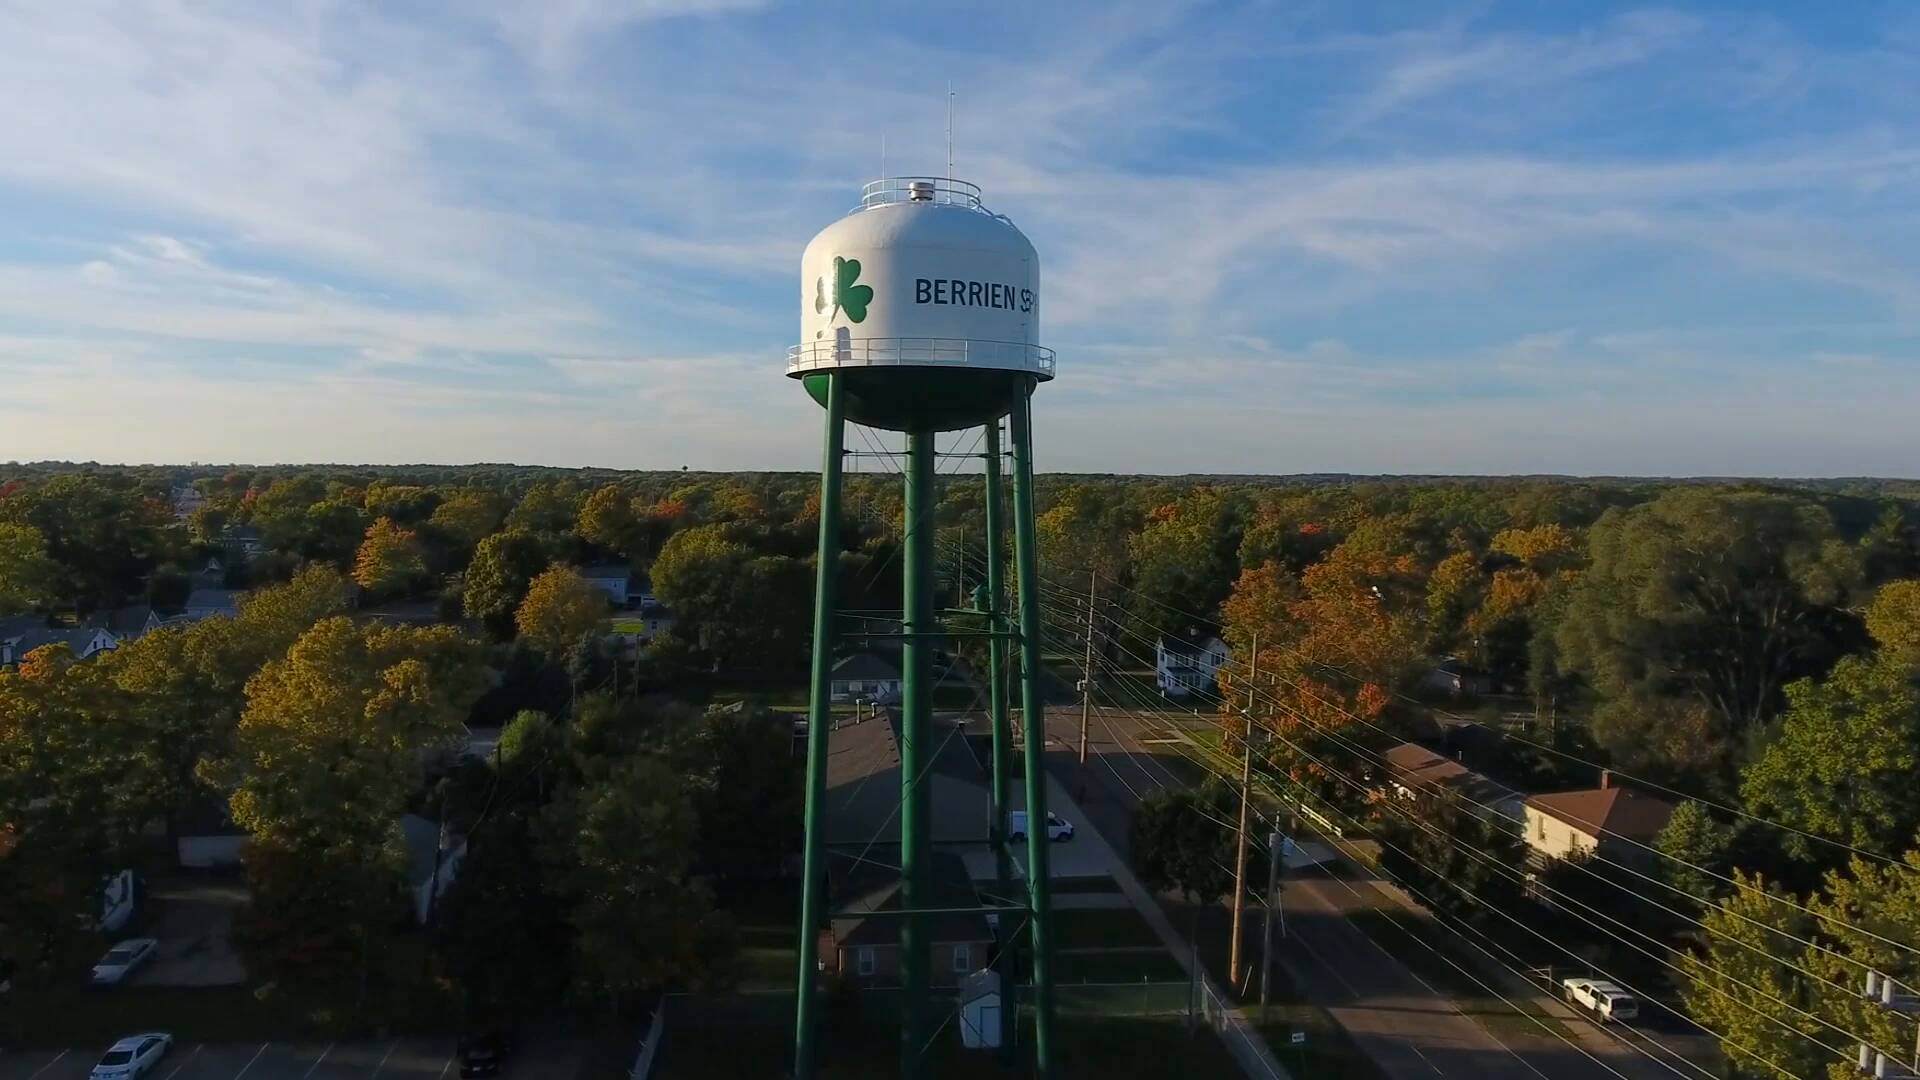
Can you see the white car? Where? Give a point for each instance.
(1606, 1000)
(122, 960)
(1057, 830)
(132, 1056)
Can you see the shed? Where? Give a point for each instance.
(980, 1010)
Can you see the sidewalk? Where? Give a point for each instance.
(1242, 1041)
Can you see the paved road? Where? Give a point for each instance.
(1411, 1029)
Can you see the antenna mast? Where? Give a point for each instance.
(949, 129)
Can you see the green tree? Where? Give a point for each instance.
(1698, 848)
(28, 577)
(559, 608)
(332, 530)
(1460, 859)
(98, 530)
(468, 516)
(326, 755)
(390, 561)
(496, 580)
(642, 919)
(549, 507)
(1180, 844)
(1744, 986)
(1843, 765)
(609, 519)
(1894, 621)
(1708, 597)
(406, 504)
(744, 783)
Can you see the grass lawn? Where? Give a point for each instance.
(1109, 1049)
(1116, 967)
(765, 921)
(1092, 928)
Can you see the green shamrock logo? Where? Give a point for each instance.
(847, 296)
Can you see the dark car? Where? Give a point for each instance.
(482, 1055)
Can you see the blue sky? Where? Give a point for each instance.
(1404, 237)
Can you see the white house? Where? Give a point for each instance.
(866, 676)
(614, 579)
(433, 861)
(1610, 821)
(20, 636)
(1185, 665)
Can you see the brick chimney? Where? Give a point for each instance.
(1606, 779)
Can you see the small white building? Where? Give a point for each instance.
(980, 1010)
(1186, 665)
(866, 676)
(614, 579)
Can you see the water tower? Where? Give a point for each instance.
(920, 313)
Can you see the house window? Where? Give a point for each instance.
(864, 962)
(962, 959)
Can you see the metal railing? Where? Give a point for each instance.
(938, 190)
(911, 352)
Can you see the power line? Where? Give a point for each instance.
(1468, 849)
(1738, 812)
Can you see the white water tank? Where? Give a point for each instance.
(927, 302)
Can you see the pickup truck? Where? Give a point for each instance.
(1604, 999)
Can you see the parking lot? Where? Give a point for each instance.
(392, 1059)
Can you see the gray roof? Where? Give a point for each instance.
(214, 599)
(75, 638)
(607, 571)
(16, 625)
(865, 665)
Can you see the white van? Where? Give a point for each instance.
(1604, 999)
(1057, 830)
(119, 900)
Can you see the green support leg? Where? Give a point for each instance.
(916, 715)
(1002, 738)
(819, 720)
(1039, 884)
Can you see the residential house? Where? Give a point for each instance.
(614, 579)
(1457, 678)
(1412, 770)
(187, 499)
(866, 676)
(244, 539)
(127, 623)
(1190, 664)
(20, 636)
(863, 943)
(433, 861)
(207, 603)
(205, 837)
(1616, 823)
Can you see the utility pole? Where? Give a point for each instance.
(1240, 846)
(1086, 667)
(1276, 855)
